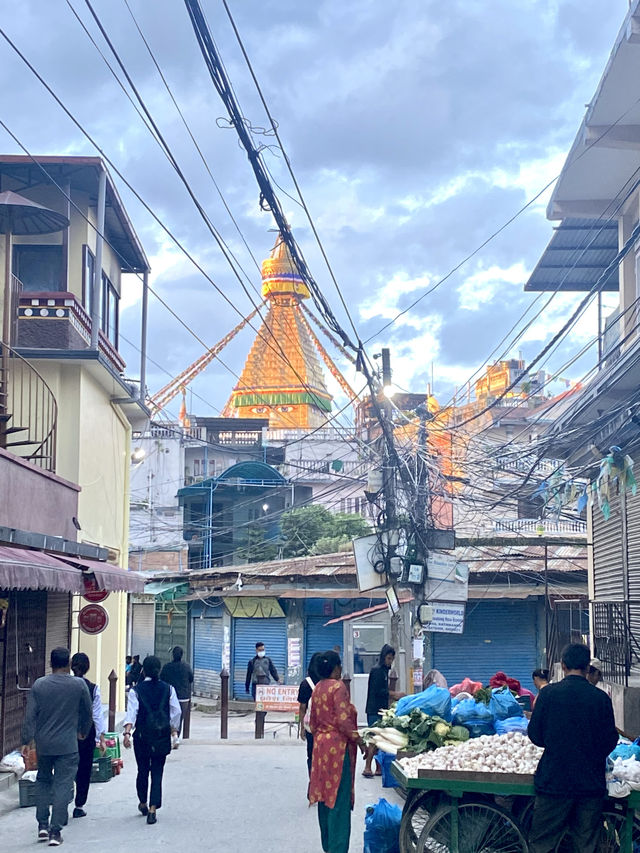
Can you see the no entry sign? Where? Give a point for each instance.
(93, 619)
(92, 592)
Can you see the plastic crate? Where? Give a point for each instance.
(113, 746)
(101, 770)
(27, 793)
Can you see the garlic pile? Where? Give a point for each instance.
(509, 753)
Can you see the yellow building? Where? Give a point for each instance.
(63, 318)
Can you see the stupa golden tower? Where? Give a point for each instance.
(282, 378)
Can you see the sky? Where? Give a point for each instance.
(415, 129)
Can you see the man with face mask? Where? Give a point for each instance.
(260, 670)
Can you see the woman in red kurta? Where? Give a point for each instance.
(335, 738)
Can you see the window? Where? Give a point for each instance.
(39, 268)
(88, 271)
(109, 320)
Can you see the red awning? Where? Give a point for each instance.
(110, 577)
(21, 568)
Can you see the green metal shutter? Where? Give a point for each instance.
(318, 637)
(498, 635)
(248, 632)
(207, 656)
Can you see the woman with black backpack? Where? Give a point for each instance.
(154, 711)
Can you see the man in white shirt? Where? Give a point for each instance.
(80, 667)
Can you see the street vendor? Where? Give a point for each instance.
(574, 723)
(378, 698)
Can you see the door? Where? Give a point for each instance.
(207, 656)
(248, 632)
(368, 638)
(318, 637)
(498, 635)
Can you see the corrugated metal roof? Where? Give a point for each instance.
(322, 565)
(577, 255)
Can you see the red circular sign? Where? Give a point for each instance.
(93, 619)
(95, 596)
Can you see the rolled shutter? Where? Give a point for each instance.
(498, 635)
(207, 656)
(633, 567)
(246, 633)
(143, 630)
(318, 637)
(58, 623)
(608, 575)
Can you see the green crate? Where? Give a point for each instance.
(27, 793)
(112, 751)
(101, 770)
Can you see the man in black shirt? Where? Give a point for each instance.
(574, 722)
(378, 696)
(180, 676)
(260, 670)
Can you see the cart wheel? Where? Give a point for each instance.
(415, 816)
(481, 828)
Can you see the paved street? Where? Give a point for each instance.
(214, 795)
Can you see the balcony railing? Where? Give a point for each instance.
(28, 411)
(541, 526)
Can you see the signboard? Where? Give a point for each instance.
(293, 651)
(93, 619)
(369, 558)
(92, 592)
(277, 697)
(446, 618)
(447, 579)
(226, 648)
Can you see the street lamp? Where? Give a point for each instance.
(265, 507)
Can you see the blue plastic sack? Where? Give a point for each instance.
(479, 728)
(382, 828)
(435, 701)
(471, 711)
(626, 750)
(511, 724)
(385, 760)
(503, 704)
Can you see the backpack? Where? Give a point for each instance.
(307, 716)
(155, 725)
(260, 674)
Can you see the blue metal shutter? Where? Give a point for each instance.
(498, 635)
(318, 638)
(207, 656)
(248, 632)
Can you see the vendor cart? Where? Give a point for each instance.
(464, 812)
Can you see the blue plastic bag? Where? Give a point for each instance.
(382, 828)
(479, 728)
(471, 711)
(626, 750)
(503, 704)
(511, 724)
(435, 701)
(385, 760)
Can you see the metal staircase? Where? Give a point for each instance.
(28, 411)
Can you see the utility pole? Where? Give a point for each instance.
(389, 485)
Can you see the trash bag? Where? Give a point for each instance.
(511, 724)
(13, 762)
(382, 828)
(385, 760)
(435, 701)
(479, 728)
(626, 750)
(471, 711)
(503, 704)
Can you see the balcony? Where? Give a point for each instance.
(28, 411)
(57, 321)
(323, 470)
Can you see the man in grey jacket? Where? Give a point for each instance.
(58, 714)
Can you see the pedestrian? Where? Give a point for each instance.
(133, 676)
(180, 676)
(378, 698)
(574, 722)
(305, 693)
(80, 667)
(594, 675)
(153, 711)
(540, 678)
(260, 670)
(334, 725)
(58, 715)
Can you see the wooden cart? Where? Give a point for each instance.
(464, 812)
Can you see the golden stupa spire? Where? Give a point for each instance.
(282, 378)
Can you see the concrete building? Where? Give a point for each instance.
(61, 333)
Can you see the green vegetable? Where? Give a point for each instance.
(442, 729)
(458, 734)
(484, 695)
